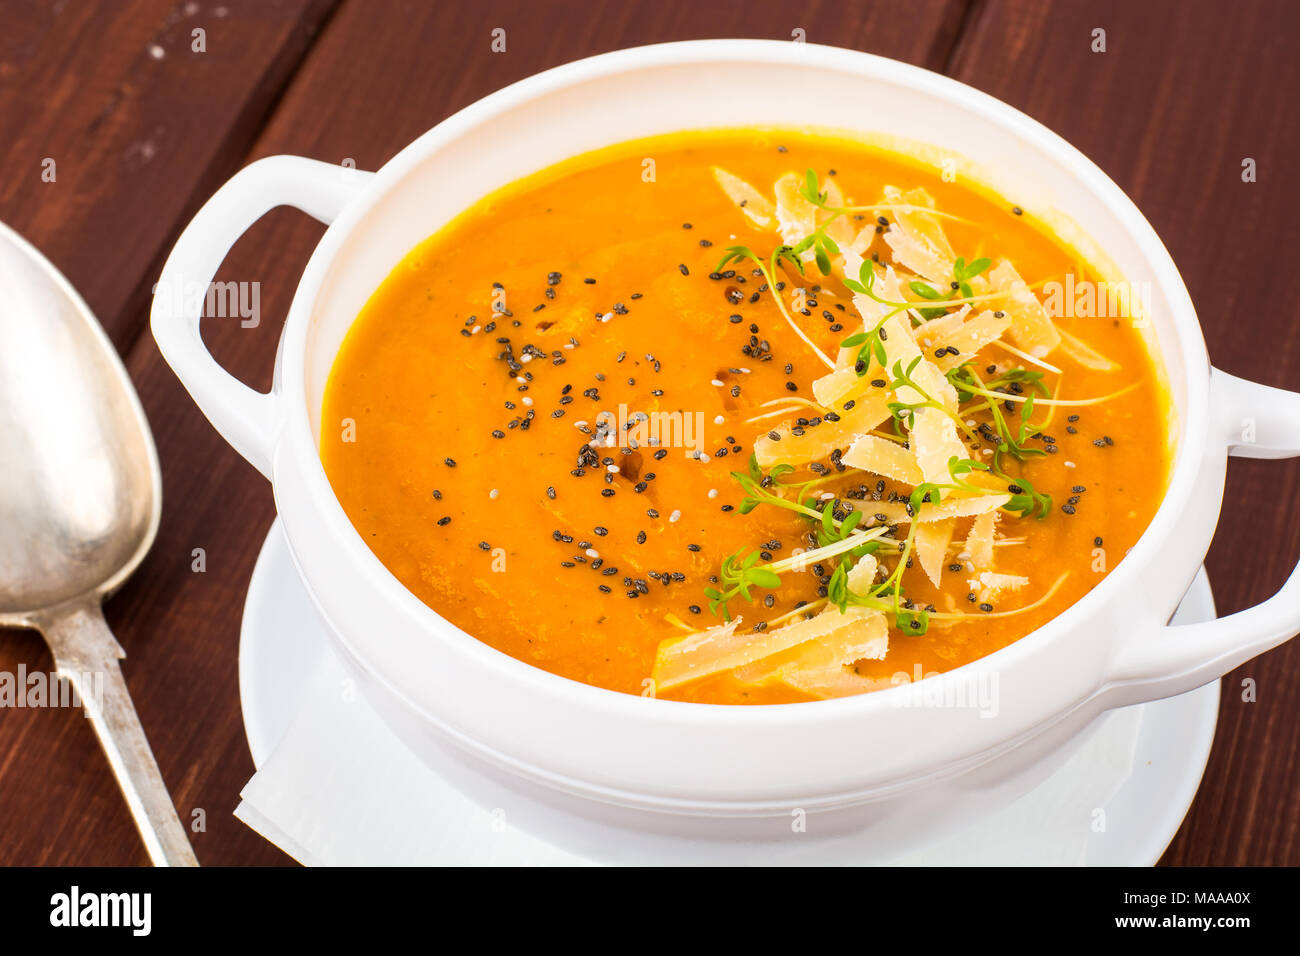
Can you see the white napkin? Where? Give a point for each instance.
(341, 790)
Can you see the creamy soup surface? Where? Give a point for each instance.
(535, 420)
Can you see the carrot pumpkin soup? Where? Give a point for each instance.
(746, 417)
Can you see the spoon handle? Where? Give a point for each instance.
(86, 654)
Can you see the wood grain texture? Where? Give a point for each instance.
(140, 127)
(1184, 92)
(1168, 111)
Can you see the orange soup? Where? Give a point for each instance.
(746, 417)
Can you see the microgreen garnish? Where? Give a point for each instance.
(842, 539)
(1025, 500)
(1006, 403)
(963, 272)
(737, 577)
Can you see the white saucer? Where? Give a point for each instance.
(1152, 754)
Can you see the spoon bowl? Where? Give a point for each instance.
(80, 501)
(80, 489)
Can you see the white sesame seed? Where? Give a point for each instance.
(525, 359)
(593, 553)
(713, 492)
(719, 420)
(716, 384)
(493, 493)
(674, 517)
(528, 400)
(612, 469)
(1070, 464)
(475, 330)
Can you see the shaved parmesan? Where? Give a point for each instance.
(1084, 354)
(933, 437)
(902, 349)
(841, 229)
(883, 457)
(719, 649)
(796, 217)
(931, 543)
(990, 583)
(816, 443)
(980, 541)
(859, 246)
(855, 634)
(915, 236)
(934, 440)
(838, 384)
(844, 382)
(951, 507)
(937, 330)
(971, 337)
(752, 203)
(863, 574)
(1031, 328)
(694, 655)
(835, 682)
(887, 286)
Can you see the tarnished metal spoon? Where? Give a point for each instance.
(80, 497)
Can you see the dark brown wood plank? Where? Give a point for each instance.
(141, 128)
(181, 628)
(1184, 92)
(137, 123)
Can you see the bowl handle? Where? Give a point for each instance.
(1258, 422)
(244, 417)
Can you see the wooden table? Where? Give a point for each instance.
(142, 127)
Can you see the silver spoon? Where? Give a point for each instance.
(80, 498)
